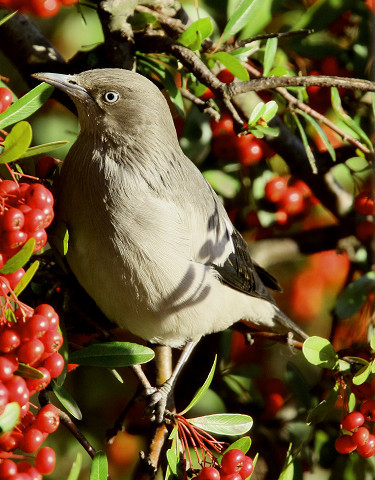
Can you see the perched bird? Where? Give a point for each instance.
(149, 239)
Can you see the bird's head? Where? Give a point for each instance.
(115, 101)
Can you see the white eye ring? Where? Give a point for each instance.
(111, 97)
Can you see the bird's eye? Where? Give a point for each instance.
(111, 97)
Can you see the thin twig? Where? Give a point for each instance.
(201, 104)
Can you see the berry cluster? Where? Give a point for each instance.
(235, 465)
(364, 204)
(40, 8)
(6, 98)
(226, 145)
(33, 340)
(25, 211)
(359, 437)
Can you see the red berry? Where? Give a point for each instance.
(368, 449)
(292, 201)
(45, 166)
(54, 364)
(14, 277)
(209, 473)
(40, 239)
(48, 312)
(37, 326)
(352, 420)
(249, 152)
(281, 218)
(37, 384)
(365, 231)
(360, 437)
(31, 351)
(52, 341)
(275, 189)
(32, 440)
(364, 203)
(7, 369)
(12, 219)
(34, 219)
(13, 239)
(45, 460)
(4, 397)
(37, 196)
(368, 409)
(8, 187)
(45, 8)
(223, 126)
(7, 468)
(225, 76)
(224, 146)
(345, 444)
(18, 391)
(232, 461)
(230, 476)
(330, 66)
(6, 98)
(48, 419)
(247, 467)
(9, 340)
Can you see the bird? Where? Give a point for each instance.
(149, 239)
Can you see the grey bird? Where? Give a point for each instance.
(149, 239)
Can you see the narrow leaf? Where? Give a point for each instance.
(99, 467)
(269, 55)
(26, 105)
(247, 11)
(66, 400)
(44, 148)
(270, 110)
(260, 131)
(224, 423)
(10, 416)
(20, 258)
(319, 351)
(16, 142)
(172, 461)
(308, 150)
(202, 390)
(6, 18)
(201, 28)
(320, 132)
(256, 113)
(26, 371)
(232, 64)
(372, 342)
(112, 355)
(76, 468)
(26, 279)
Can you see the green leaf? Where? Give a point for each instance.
(362, 375)
(259, 131)
(6, 18)
(20, 258)
(320, 132)
(242, 444)
(66, 400)
(224, 423)
(112, 355)
(247, 11)
(222, 183)
(26, 371)
(16, 142)
(27, 277)
(10, 416)
(99, 467)
(323, 409)
(355, 295)
(308, 150)
(173, 460)
(269, 55)
(26, 105)
(232, 64)
(319, 351)
(278, 71)
(44, 148)
(202, 390)
(372, 342)
(256, 113)
(196, 32)
(76, 468)
(270, 110)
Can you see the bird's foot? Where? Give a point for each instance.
(157, 402)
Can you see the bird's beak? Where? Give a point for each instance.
(66, 83)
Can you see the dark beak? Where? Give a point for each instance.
(66, 83)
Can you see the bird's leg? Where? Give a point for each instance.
(159, 399)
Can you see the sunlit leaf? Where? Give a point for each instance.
(76, 468)
(26, 105)
(27, 277)
(319, 351)
(26, 371)
(269, 55)
(222, 183)
(224, 423)
(247, 11)
(16, 142)
(256, 113)
(99, 467)
(232, 64)
(9, 417)
(66, 400)
(305, 142)
(354, 295)
(46, 147)
(320, 132)
(112, 355)
(362, 375)
(20, 258)
(200, 29)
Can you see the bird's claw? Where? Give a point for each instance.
(157, 402)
